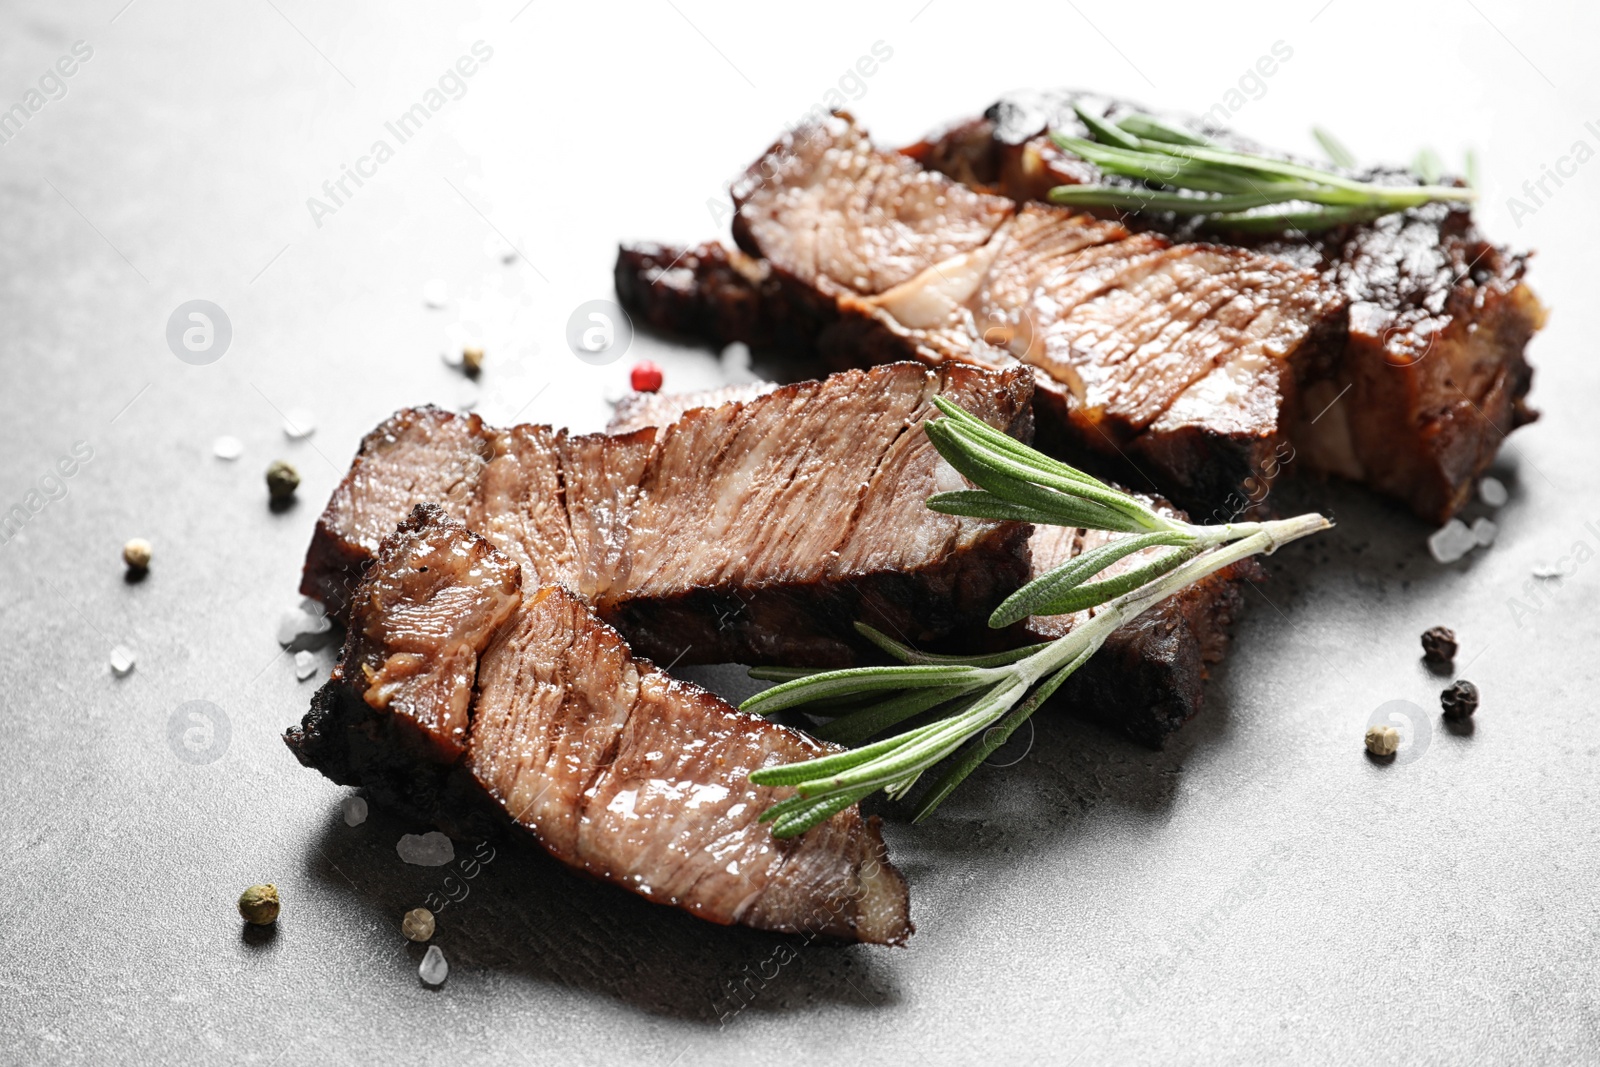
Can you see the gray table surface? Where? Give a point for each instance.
(1259, 891)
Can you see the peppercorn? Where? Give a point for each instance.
(418, 924)
(136, 554)
(1383, 740)
(472, 359)
(645, 377)
(259, 904)
(1460, 700)
(1439, 645)
(282, 481)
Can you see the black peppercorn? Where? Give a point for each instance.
(1439, 645)
(1460, 700)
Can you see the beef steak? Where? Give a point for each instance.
(751, 532)
(476, 705)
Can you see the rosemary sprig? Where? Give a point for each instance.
(975, 702)
(1189, 175)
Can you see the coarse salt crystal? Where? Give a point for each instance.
(436, 293)
(299, 424)
(227, 447)
(355, 810)
(1492, 491)
(122, 660)
(305, 665)
(1483, 532)
(452, 358)
(431, 849)
(435, 968)
(302, 627)
(1451, 541)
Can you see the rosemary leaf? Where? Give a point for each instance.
(1337, 153)
(981, 504)
(873, 719)
(1087, 596)
(1427, 166)
(1049, 588)
(838, 683)
(1105, 132)
(906, 654)
(994, 737)
(1152, 129)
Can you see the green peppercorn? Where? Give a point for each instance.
(282, 481)
(259, 904)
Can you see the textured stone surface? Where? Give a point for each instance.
(1212, 902)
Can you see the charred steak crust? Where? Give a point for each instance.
(1435, 323)
(756, 531)
(618, 770)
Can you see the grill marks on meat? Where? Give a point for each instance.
(617, 769)
(1432, 374)
(1148, 678)
(1178, 361)
(754, 531)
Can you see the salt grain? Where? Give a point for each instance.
(1492, 491)
(305, 665)
(299, 424)
(431, 849)
(1483, 532)
(355, 810)
(436, 293)
(122, 660)
(435, 968)
(451, 357)
(1546, 570)
(1451, 541)
(305, 626)
(227, 447)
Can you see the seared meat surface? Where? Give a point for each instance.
(1178, 361)
(472, 703)
(1145, 682)
(1432, 374)
(751, 532)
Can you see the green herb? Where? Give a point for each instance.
(973, 703)
(1334, 149)
(1190, 175)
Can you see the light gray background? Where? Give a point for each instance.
(1260, 891)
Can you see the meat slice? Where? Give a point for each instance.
(1177, 363)
(618, 770)
(756, 531)
(1148, 678)
(1431, 372)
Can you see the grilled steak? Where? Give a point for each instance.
(753, 532)
(1436, 316)
(473, 706)
(1179, 362)
(1145, 682)
(1422, 348)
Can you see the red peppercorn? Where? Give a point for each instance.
(646, 377)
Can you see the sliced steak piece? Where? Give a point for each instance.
(1147, 680)
(1432, 373)
(752, 532)
(1176, 363)
(638, 410)
(615, 768)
